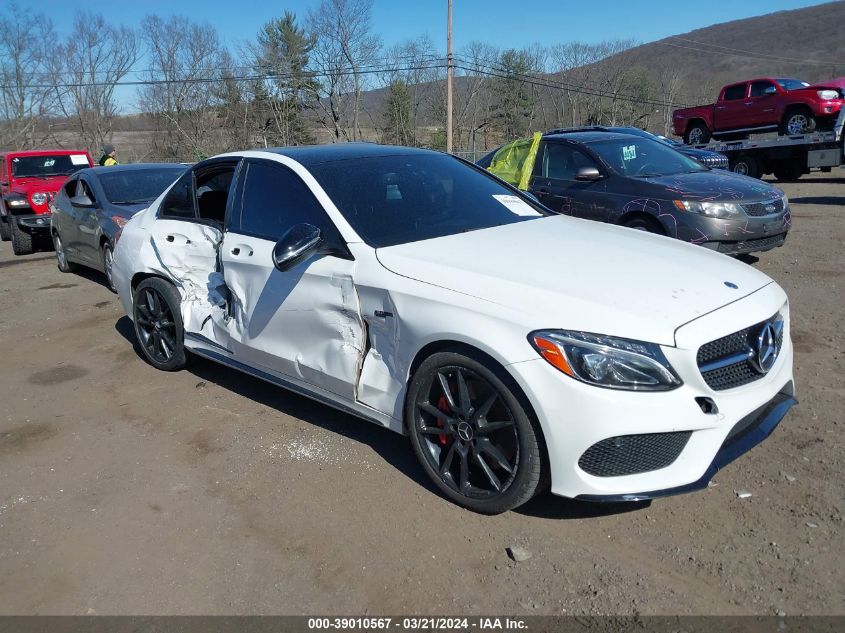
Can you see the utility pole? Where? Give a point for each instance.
(449, 72)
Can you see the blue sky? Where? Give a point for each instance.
(504, 22)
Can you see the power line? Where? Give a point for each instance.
(758, 53)
(746, 54)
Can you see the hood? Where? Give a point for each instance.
(717, 185)
(32, 184)
(838, 83)
(561, 272)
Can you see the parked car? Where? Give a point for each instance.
(28, 182)
(790, 106)
(93, 206)
(706, 157)
(643, 184)
(416, 291)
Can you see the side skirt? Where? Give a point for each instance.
(358, 410)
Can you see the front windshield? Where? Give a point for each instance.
(791, 84)
(392, 200)
(136, 186)
(45, 166)
(643, 158)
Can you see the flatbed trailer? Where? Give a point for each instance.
(787, 157)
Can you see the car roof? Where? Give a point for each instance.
(130, 167)
(588, 136)
(308, 155)
(43, 152)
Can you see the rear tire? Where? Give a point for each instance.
(63, 263)
(108, 264)
(788, 171)
(21, 240)
(489, 457)
(697, 134)
(747, 166)
(158, 324)
(5, 231)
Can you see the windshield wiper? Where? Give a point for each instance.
(648, 175)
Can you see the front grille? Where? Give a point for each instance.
(749, 246)
(757, 209)
(632, 454)
(727, 362)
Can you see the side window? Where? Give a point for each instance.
(70, 187)
(85, 190)
(732, 93)
(213, 191)
(275, 198)
(562, 161)
(758, 88)
(179, 202)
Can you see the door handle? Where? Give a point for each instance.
(170, 238)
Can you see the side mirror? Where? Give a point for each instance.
(81, 201)
(587, 174)
(296, 246)
(770, 90)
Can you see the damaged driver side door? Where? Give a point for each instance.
(303, 322)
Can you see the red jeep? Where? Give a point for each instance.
(789, 106)
(28, 182)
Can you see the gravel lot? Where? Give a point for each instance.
(128, 490)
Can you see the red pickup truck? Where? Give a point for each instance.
(789, 106)
(28, 182)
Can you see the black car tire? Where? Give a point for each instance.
(21, 240)
(505, 458)
(644, 223)
(747, 166)
(797, 116)
(108, 261)
(788, 171)
(5, 230)
(62, 262)
(158, 301)
(697, 128)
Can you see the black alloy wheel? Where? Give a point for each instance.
(158, 324)
(472, 435)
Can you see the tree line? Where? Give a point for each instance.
(325, 76)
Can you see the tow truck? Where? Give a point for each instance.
(787, 157)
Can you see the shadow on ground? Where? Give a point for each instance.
(393, 448)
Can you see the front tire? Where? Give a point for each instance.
(21, 240)
(64, 265)
(644, 223)
(471, 434)
(697, 134)
(798, 121)
(5, 231)
(158, 324)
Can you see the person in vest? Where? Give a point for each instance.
(108, 158)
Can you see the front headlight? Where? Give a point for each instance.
(712, 209)
(39, 198)
(606, 361)
(17, 202)
(828, 94)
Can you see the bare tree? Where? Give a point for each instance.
(96, 57)
(343, 57)
(187, 64)
(27, 65)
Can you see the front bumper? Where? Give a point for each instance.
(731, 236)
(34, 221)
(754, 245)
(575, 416)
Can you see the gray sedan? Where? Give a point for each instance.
(94, 205)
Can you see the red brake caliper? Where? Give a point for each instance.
(443, 405)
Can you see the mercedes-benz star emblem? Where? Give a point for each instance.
(766, 351)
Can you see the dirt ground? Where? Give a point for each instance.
(127, 490)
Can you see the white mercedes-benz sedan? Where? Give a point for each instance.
(516, 348)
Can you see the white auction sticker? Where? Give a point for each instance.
(78, 159)
(517, 205)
